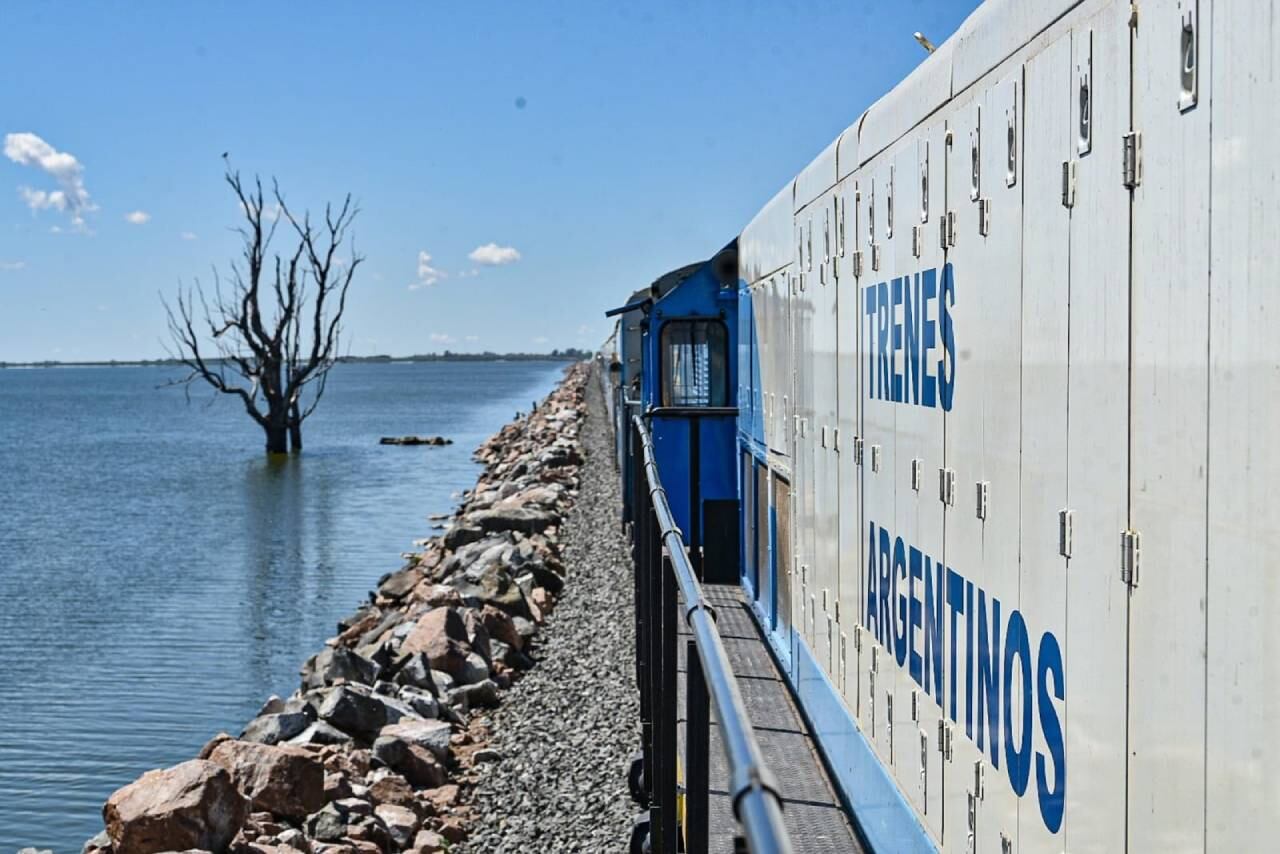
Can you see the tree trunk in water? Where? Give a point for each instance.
(295, 430)
(277, 439)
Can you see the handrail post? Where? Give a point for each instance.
(666, 712)
(697, 745)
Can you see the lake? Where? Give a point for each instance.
(160, 577)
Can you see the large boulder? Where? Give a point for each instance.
(462, 534)
(338, 664)
(192, 805)
(440, 636)
(354, 713)
(415, 763)
(526, 520)
(285, 781)
(398, 584)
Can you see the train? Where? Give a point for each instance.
(982, 411)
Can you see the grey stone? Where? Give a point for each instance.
(338, 663)
(353, 713)
(320, 732)
(275, 728)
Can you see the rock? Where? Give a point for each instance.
(321, 733)
(97, 843)
(429, 842)
(353, 713)
(192, 805)
(487, 754)
(388, 787)
(526, 520)
(414, 670)
(499, 626)
(285, 781)
(443, 682)
(420, 701)
(477, 634)
(490, 584)
(441, 636)
(542, 600)
(431, 734)
(398, 585)
(212, 743)
(335, 664)
(327, 825)
(462, 534)
(402, 823)
(483, 694)
(336, 786)
(439, 595)
(276, 727)
(475, 669)
(415, 440)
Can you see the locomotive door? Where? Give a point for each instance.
(782, 550)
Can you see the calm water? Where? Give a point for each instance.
(159, 578)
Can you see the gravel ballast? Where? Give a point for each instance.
(565, 733)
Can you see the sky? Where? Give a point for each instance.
(519, 167)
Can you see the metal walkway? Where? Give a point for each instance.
(815, 819)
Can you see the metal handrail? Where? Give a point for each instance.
(756, 803)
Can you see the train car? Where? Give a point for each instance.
(1006, 390)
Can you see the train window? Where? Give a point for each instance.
(695, 363)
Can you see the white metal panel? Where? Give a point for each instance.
(1098, 460)
(1168, 439)
(847, 149)
(765, 244)
(825, 557)
(801, 308)
(818, 177)
(879, 461)
(995, 31)
(1046, 129)
(848, 401)
(1242, 753)
(923, 91)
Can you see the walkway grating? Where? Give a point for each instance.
(816, 821)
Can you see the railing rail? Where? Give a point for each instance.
(663, 569)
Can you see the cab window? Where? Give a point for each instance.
(695, 356)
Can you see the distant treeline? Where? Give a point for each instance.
(569, 355)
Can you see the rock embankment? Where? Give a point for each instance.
(374, 751)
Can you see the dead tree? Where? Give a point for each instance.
(269, 332)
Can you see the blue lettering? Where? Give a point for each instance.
(900, 623)
(870, 311)
(933, 629)
(929, 287)
(1018, 756)
(955, 603)
(882, 315)
(968, 659)
(916, 564)
(1052, 800)
(872, 622)
(886, 631)
(947, 364)
(897, 339)
(989, 675)
(911, 323)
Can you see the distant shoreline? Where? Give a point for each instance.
(569, 355)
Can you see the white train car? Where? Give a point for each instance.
(1009, 431)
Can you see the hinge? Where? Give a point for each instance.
(947, 486)
(1132, 159)
(917, 241)
(857, 262)
(1130, 557)
(982, 498)
(1066, 518)
(835, 439)
(915, 705)
(875, 256)
(979, 780)
(875, 458)
(984, 217)
(917, 466)
(857, 450)
(1068, 183)
(947, 229)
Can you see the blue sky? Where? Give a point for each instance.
(587, 147)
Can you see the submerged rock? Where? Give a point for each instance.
(414, 440)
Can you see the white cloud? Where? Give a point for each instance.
(427, 274)
(442, 338)
(188, 235)
(71, 197)
(137, 217)
(468, 274)
(12, 266)
(493, 255)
